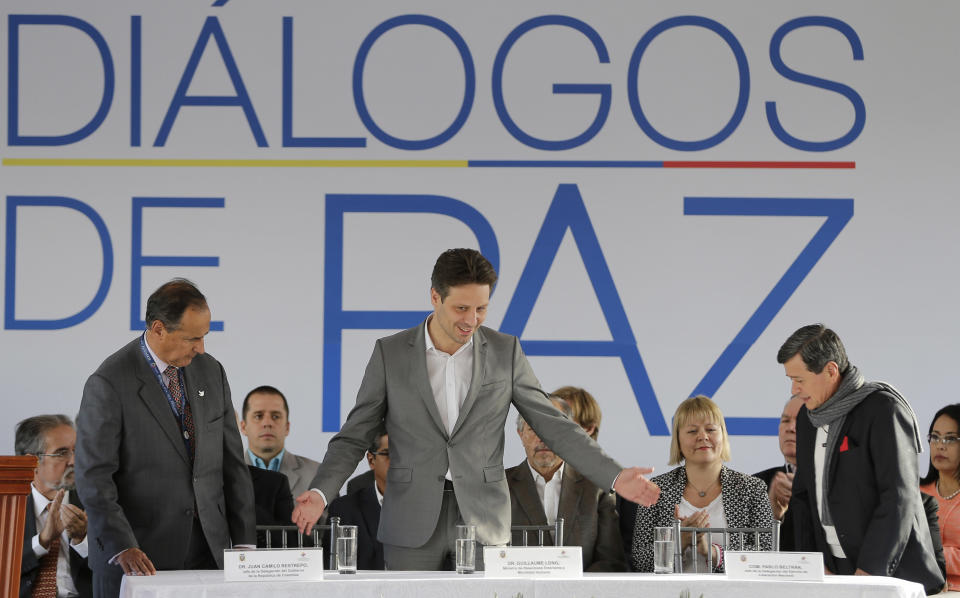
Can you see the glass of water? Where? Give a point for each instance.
(466, 548)
(663, 549)
(346, 549)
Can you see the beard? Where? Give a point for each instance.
(67, 481)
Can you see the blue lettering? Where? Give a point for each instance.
(211, 29)
(859, 109)
(11, 322)
(136, 76)
(336, 319)
(288, 139)
(567, 211)
(837, 211)
(13, 80)
(470, 82)
(744, 94)
(138, 261)
(603, 90)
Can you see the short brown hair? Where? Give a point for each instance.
(168, 302)
(586, 410)
(456, 267)
(697, 407)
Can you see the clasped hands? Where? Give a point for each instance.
(699, 519)
(781, 490)
(62, 517)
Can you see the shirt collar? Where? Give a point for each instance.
(377, 490)
(429, 341)
(161, 364)
(40, 501)
(273, 465)
(557, 475)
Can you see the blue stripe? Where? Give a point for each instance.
(565, 163)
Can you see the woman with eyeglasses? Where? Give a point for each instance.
(943, 483)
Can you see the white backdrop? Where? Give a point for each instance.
(295, 155)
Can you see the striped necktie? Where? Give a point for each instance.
(46, 583)
(183, 407)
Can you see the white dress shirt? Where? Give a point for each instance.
(450, 377)
(548, 491)
(819, 453)
(65, 586)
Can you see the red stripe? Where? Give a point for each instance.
(754, 164)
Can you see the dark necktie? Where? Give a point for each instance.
(183, 406)
(46, 583)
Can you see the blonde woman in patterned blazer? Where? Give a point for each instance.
(702, 492)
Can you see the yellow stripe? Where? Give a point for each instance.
(212, 163)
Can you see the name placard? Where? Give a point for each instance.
(562, 562)
(796, 566)
(273, 564)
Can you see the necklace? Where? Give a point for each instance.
(941, 494)
(702, 493)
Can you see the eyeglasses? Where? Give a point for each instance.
(944, 440)
(383, 453)
(63, 453)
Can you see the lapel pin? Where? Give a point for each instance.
(200, 392)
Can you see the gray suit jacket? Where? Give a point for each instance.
(396, 389)
(589, 516)
(299, 471)
(133, 471)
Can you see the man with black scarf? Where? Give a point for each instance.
(856, 497)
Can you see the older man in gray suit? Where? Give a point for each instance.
(444, 389)
(159, 461)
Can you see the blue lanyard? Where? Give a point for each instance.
(166, 392)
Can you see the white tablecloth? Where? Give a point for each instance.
(382, 584)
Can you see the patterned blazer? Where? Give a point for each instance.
(745, 504)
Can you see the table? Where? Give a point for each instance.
(393, 584)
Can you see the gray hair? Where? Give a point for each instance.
(564, 407)
(31, 432)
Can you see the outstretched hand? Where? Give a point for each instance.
(310, 506)
(633, 485)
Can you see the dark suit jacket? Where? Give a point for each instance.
(589, 516)
(271, 495)
(874, 497)
(787, 540)
(30, 564)
(364, 480)
(135, 477)
(627, 510)
(362, 509)
(932, 509)
(273, 503)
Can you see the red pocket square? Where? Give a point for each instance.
(845, 445)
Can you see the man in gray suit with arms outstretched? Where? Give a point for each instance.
(444, 389)
(159, 462)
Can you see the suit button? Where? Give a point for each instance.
(188, 512)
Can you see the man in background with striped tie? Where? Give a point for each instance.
(54, 562)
